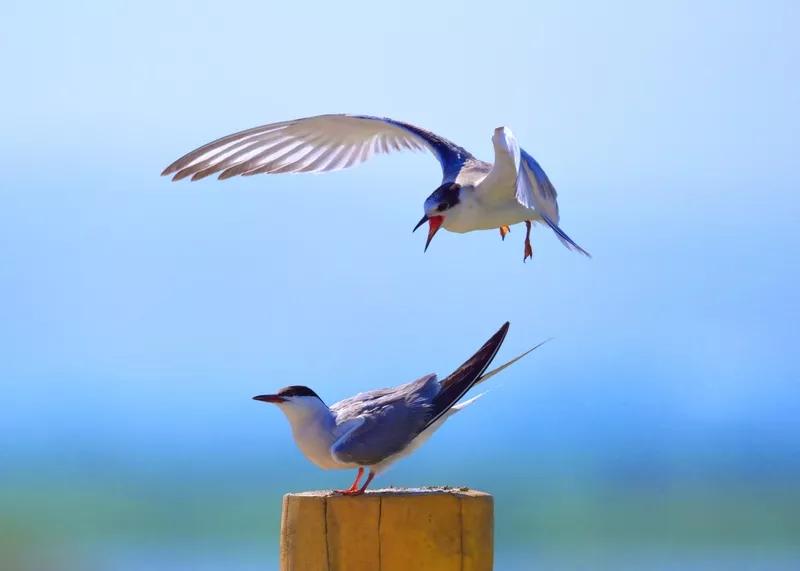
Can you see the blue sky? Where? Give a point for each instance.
(146, 313)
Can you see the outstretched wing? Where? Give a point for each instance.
(516, 171)
(383, 422)
(314, 144)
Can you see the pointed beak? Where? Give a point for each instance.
(422, 221)
(434, 223)
(270, 398)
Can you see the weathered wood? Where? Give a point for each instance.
(436, 529)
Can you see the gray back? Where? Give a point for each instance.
(389, 420)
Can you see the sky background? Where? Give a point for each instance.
(138, 316)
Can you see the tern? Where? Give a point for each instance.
(473, 195)
(375, 428)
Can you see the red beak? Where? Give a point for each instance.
(269, 398)
(434, 223)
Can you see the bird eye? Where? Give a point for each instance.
(442, 206)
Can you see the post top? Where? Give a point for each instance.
(394, 492)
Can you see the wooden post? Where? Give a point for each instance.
(439, 529)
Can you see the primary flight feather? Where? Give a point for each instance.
(473, 194)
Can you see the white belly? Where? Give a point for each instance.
(472, 213)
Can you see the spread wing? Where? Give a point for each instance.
(314, 144)
(383, 422)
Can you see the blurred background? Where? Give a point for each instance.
(659, 430)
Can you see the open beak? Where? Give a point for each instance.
(434, 223)
(270, 398)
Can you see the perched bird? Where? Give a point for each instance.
(473, 195)
(375, 428)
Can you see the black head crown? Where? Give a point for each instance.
(296, 391)
(443, 198)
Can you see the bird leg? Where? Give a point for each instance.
(504, 230)
(353, 489)
(528, 247)
(364, 487)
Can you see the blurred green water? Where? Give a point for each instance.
(118, 523)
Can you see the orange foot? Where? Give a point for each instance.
(350, 492)
(353, 489)
(504, 230)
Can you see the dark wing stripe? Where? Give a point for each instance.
(451, 156)
(314, 144)
(462, 379)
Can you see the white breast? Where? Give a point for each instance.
(492, 202)
(314, 430)
(315, 443)
(485, 208)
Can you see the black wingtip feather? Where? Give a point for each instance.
(462, 379)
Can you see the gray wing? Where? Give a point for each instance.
(515, 170)
(315, 144)
(384, 421)
(532, 188)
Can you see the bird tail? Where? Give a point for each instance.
(464, 404)
(566, 240)
(462, 379)
(496, 370)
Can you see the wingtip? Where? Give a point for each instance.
(227, 173)
(565, 239)
(497, 339)
(575, 248)
(181, 174)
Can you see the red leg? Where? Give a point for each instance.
(503, 231)
(364, 487)
(353, 488)
(528, 248)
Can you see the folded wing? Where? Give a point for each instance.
(383, 422)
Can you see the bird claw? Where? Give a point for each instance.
(528, 251)
(504, 230)
(349, 492)
(528, 248)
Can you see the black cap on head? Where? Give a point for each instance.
(444, 197)
(296, 391)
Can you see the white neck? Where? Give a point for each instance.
(313, 428)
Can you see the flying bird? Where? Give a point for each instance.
(473, 195)
(375, 428)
